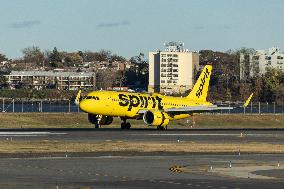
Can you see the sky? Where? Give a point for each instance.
(128, 27)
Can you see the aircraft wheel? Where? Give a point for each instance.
(123, 125)
(127, 125)
(160, 128)
(97, 125)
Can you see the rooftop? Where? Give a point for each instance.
(51, 74)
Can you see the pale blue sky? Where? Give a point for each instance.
(127, 27)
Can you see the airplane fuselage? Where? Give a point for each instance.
(125, 104)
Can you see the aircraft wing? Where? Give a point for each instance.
(191, 109)
(197, 109)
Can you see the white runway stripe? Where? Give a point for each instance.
(203, 134)
(24, 133)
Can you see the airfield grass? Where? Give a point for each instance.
(51, 146)
(80, 120)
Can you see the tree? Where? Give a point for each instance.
(3, 81)
(120, 79)
(33, 54)
(118, 58)
(73, 58)
(55, 58)
(103, 55)
(272, 79)
(106, 78)
(3, 58)
(225, 82)
(244, 50)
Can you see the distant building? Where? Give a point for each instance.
(51, 79)
(252, 65)
(172, 70)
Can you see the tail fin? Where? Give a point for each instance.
(200, 89)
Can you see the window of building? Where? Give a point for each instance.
(268, 58)
(280, 57)
(169, 65)
(163, 65)
(175, 60)
(175, 55)
(163, 55)
(162, 81)
(175, 70)
(169, 55)
(175, 65)
(169, 81)
(170, 59)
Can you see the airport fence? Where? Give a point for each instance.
(45, 105)
(39, 105)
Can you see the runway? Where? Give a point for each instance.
(149, 135)
(143, 170)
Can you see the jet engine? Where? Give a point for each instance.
(155, 118)
(100, 119)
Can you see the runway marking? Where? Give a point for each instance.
(28, 134)
(202, 134)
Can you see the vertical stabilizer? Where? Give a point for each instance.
(200, 89)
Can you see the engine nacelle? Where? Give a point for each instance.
(102, 120)
(155, 118)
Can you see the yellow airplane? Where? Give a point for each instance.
(155, 109)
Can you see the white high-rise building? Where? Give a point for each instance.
(255, 64)
(172, 70)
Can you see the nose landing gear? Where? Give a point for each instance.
(95, 119)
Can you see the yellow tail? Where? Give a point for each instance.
(200, 89)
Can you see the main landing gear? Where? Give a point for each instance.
(161, 128)
(125, 125)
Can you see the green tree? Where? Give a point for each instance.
(272, 79)
(73, 58)
(55, 58)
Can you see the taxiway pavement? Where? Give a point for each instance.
(157, 170)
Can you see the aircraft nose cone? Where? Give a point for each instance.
(84, 105)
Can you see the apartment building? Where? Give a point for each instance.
(255, 64)
(51, 79)
(172, 70)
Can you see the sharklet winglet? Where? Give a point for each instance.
(248, 100)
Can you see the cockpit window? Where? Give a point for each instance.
(93, 97)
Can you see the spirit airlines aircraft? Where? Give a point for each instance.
(155, 109)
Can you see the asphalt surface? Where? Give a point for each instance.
(149, 135)
(157, 170)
